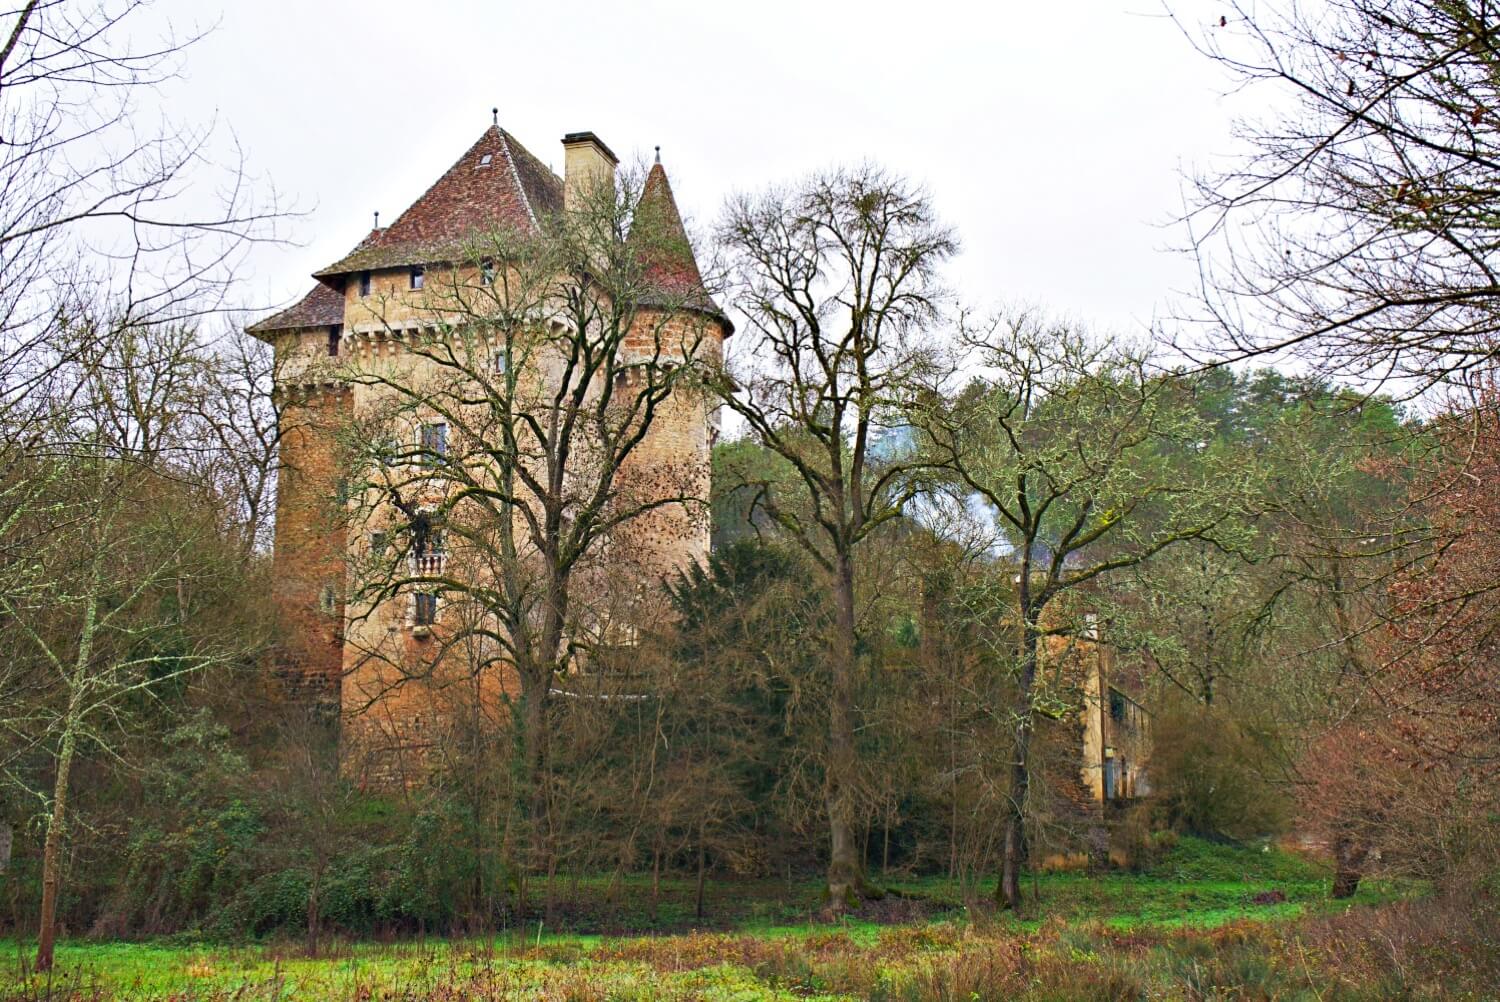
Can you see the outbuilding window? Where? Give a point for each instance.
(364, 284)
(418, 276)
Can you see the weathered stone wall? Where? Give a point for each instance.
(673, 461)
(403, 686)
(310, 535)
(1116, 729)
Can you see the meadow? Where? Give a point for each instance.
(1205, 922)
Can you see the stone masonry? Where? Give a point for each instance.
(371, 658)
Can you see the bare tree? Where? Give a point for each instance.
(237, 428)
(95, 199)
(1071, 445)
(102, 233)
(1358, 231)
(120, 534)
(838, 278)
(314, 797)
(504, 459)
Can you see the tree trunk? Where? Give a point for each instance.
(57, 826)
(846, 883)
(535, 713)
(1349, 861)
(655, 881)
(536, 692)
(702, 868)
(1008, 891)
(953, 782)
(313, 918)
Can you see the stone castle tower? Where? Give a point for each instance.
(361, 314)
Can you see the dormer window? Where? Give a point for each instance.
(364, 284)
(418, 276)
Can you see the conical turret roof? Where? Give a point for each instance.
(497, 182)
(671, 270)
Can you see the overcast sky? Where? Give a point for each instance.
(1053, 136)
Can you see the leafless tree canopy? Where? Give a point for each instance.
(101, 199)
(1358, 232)
(839, 278)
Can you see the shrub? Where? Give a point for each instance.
(1210, 772)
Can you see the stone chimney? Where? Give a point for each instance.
(588, 162)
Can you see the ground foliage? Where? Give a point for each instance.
(1200, 924)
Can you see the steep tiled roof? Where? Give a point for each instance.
(667, 253)
(322, 307)
(510, 188)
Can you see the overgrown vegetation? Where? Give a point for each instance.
(1203, 923)
(941, 545)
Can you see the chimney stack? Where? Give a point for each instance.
(588, 162)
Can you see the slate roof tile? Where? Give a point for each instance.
(667, 253)
(322, 307)
(497, 182)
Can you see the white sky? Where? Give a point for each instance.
(1052, 135)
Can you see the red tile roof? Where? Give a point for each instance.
(322, 307)
(671, 269)
(511, 188)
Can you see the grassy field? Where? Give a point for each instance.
(1207, 922)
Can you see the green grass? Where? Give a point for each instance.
(768, 944)
(1198, 884)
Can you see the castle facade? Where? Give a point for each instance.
(378, 370)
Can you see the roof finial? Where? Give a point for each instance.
(658, 154)
(377, 219)
(494, 116)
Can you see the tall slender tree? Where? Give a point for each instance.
(1077, 448)
(120, 541)
(838, 278)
